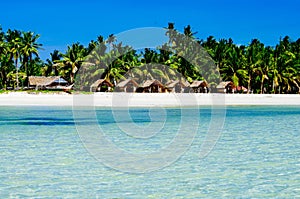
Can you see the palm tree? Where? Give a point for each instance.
(55, 56)
(127, 62)
(284, 71)
(217, 50)
(6, 66)
(14, 45)
(6, 63)
(188, 31)
(51, 67)
(265, 66)
(95, 63)
(254, 60)
(29, 47)
(72, 60)
(111, 39)
(234, 65)
(3, 46)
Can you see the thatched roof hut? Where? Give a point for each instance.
(152, 86)
(101, 85)
(225, 87)
(128, 85)
(199, 86)
(152, 82)
(52, 82)
(177, 86)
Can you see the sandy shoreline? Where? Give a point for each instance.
(145, 99)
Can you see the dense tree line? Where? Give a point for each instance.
(259, 68)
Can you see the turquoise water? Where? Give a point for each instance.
(257, 155)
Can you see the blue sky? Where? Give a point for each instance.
(61, 23)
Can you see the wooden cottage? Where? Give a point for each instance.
(50, 83)
(177, 86)
(225, 87)
(101, 85)
(128, 85)
(199, 87)
(151, 86)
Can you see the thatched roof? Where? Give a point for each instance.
(148, 83)
(45, 81)
(125, 82)
(185, 83)
(224, 84)
(173, 83)
(196, 84)
(100, 81)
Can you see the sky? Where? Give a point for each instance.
(61, 23)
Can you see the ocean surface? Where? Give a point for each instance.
(257, 154)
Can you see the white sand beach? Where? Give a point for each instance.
(145, 99)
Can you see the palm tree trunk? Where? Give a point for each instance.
(262, 85)
(27, 73)
(72, 77)
(297, 85)
(17, 74)
(26, 69)
(249, 84)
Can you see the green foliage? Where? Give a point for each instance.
(18, 57)
(260, 68)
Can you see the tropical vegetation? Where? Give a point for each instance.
(259, 68)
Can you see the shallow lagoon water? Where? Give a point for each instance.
(257, 155)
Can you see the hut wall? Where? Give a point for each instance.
(130, 88)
